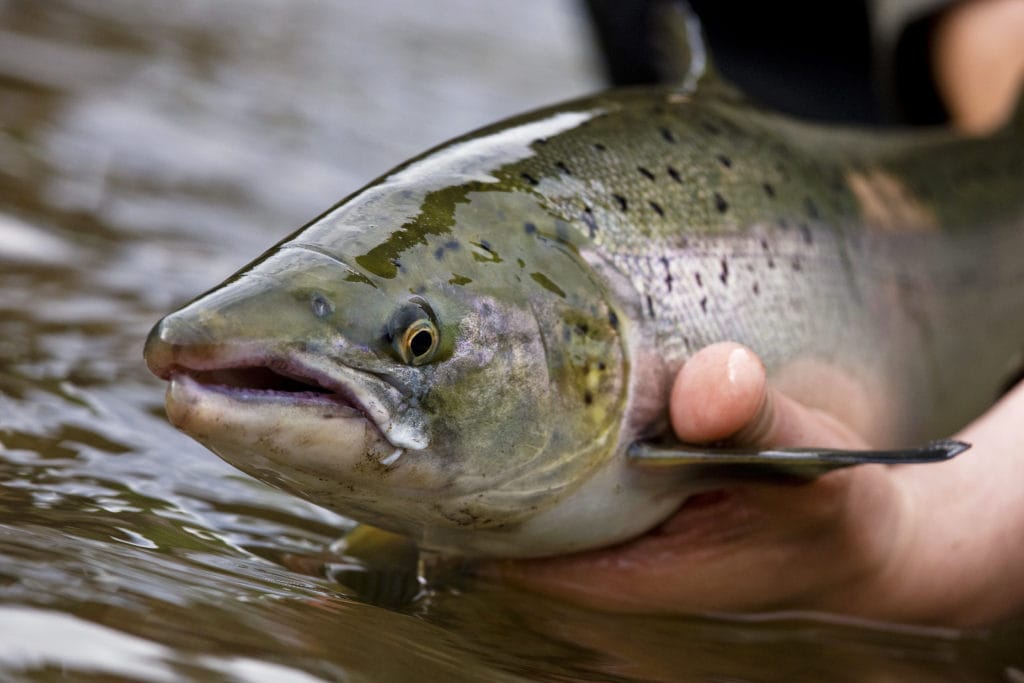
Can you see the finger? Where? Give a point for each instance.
(705, 564)
(722, 394)
(717, 393)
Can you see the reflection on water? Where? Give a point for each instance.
(150, 148)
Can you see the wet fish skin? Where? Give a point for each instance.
(572, 259)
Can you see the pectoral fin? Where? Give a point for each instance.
(799, 462)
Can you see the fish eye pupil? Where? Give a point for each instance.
(413, 333)
(421, 343)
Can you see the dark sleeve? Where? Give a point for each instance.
(845, 61)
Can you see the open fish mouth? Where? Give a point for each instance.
(269, 383)
(223, 381)
(248, 374)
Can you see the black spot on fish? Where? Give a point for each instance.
(650, 306)
(529, 228)
(720, 203)
(621, 201)
(769, 190)
(764, 244)
(674, 174)
(724, 275)
(599, 147)
(657, 208)
(588, 398)
(601, 366)
(805, 232)
(667, 135)
(697, 277)
(563, 168)
(812, 208)
(796, 263)
(756, 288)
(613, 320)
(725, 161)
(540, 141)
(668, 273)
(588, 219)
(704, 304)
(439, 253)
(645, 173)
(529, 178)
(771, 262)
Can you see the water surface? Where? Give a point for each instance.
(147, 150)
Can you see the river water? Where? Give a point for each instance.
(147, 150)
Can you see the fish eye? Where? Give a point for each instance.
(419, 341)
(414, 333)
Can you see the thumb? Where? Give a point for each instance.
(722, 395)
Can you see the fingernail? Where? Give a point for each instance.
(738, 361)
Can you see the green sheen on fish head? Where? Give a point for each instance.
(454, 366)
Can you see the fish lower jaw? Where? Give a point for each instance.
(304, 431)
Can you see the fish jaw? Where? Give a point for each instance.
(256, 407)
(258, 431)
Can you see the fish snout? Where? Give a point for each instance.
(174, 337)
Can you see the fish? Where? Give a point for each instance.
(476, 349)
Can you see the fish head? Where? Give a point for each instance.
(439, 362)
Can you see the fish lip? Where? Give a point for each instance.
(336, 404)
(335, 393)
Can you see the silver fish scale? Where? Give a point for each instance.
(715, 288)
(707, 218)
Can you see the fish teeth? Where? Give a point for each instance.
(390, 460)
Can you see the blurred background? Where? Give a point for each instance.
(147, 150)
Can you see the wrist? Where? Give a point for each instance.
(962, 561)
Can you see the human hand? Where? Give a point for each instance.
(978, 62)
(876, 541)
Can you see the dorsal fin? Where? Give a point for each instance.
(680, 49)
(653, 41)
